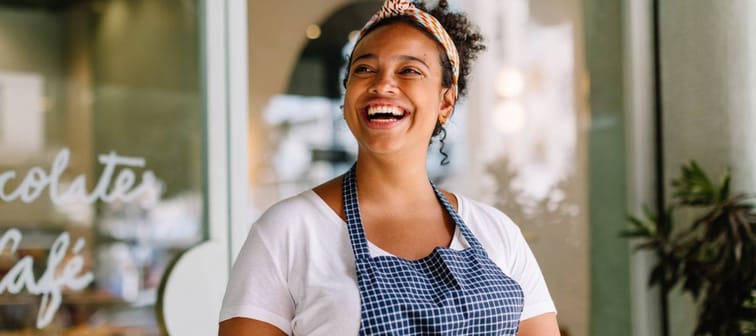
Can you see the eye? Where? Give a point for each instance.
(410, 71)
(361, 69)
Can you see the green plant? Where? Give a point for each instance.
(713, 257)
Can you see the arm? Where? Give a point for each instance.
(541, 325)
(242, 326)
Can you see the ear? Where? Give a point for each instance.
(448, 99)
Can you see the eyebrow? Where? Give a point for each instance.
(402, 57)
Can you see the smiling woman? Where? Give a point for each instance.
(381, 249)
(403, 76)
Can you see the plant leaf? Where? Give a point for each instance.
(693, 187)
(724, 186)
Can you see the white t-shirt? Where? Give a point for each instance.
(296, 269)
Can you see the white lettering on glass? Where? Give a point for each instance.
(123, 188)
(117, 182)
(55, 277)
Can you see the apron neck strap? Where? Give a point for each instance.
(469, 236)
(354, 219)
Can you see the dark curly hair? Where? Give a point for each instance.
(467, 39)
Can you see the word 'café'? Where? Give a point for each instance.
(59, 274)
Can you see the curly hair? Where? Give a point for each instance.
(467, 39)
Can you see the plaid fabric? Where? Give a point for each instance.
(448, 292)
(393, 8)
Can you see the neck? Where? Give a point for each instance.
(392, 180)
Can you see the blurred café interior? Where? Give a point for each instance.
(139, 140)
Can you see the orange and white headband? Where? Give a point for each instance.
(392, 8)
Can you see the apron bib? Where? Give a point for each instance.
(448, 292)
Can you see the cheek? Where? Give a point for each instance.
(350, 93)
(349, 102)
(349, 113)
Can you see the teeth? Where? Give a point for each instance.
(385, 109)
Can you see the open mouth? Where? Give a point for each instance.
(385, 113)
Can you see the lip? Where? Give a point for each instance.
(382, 124)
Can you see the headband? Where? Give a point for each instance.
(392, 8)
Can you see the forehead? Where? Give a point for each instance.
(399, 37)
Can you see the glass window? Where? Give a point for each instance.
(100, 161)
(527, 120)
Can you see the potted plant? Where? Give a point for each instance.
(712, 256)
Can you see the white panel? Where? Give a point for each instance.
(194, 288)
(191, 296)
(238, 124)
(214, 49)
(21, 116)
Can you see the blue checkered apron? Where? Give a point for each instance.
(449, 292)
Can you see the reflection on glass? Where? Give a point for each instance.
(307, 140)
(100, 171)
(299, 135)
(533, 144)
(536, 112)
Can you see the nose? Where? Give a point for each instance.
(383, 83)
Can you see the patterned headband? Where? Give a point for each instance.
(392, 8)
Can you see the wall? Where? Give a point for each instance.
(708, 67)
(709, 77)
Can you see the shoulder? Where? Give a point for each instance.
(500, 236)
(287, 232)
(305, 211)
(480, 216)
(292, 207)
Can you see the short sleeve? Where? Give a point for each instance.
(507, 247)
(257, 287)
(525, 270)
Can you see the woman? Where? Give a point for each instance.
(380, 250)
